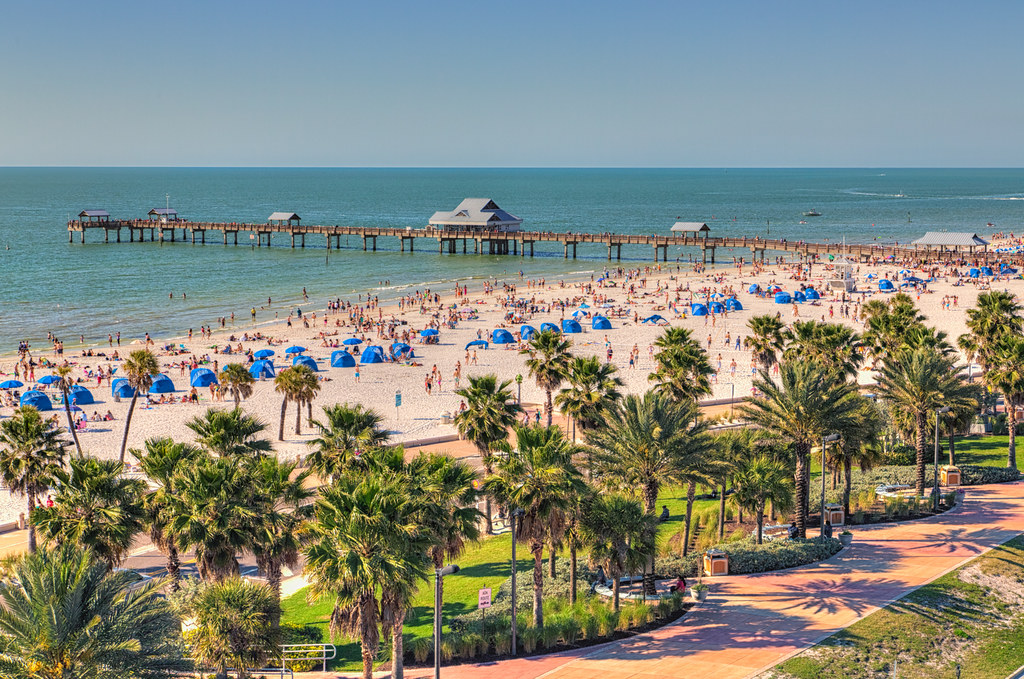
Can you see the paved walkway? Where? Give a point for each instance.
(750, 623)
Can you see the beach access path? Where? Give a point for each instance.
(748, 624)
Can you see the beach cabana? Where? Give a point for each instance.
(202, 377)
(717, 308)
(799, 296)
(502, 336)
(372, 354)
(698, 309)
(116, 382)
(477, 343)
(80, 396)
(342, 359)
(161, 385)
(571, 327)
(733, 304)
(599, 322)
(399, 348)
(783, 298)
(1006, 268)
(307, 361)
(987, 271)
(527, 332)
(811, 293)
(122, 389)
(37, 400)
(549, 327)
(974, 272)
(262, 369)
(885, 285)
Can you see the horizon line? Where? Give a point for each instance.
(511, 167)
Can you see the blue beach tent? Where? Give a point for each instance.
(37, 400)
(717, 308)
(811, 293)
(307, 361)
(122, 390)
(527, 332)
(799, 296)
(733, 304)
(502, 336)
(202, 377)
(987, 271)
(549, 327)
(372, 354)
(783, 298)
(885, 285)
(1006, 268)
(161, 385)
(477, 343)
(342, 359)
(973, 273)
(570, 326)
(754, 289)
(655, 319)
(261, 369)
(399, 348)
(698, 309)
(80, 396)
(600, 323)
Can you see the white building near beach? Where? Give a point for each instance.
(476, 214)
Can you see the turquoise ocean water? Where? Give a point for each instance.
(48, 284)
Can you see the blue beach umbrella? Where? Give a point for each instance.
(49, 379)
(478, 343)
(294, 350)
(352, 341)
(264, 353)
(429, 332)
(11, 384)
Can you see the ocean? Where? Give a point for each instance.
(90, 290)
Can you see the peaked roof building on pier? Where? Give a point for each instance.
(476, 214)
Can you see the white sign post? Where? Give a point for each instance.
(484, 598)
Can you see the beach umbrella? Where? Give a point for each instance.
(307, 361)
(655, 319)
(584, 306)
(264, 353)
(753, 288)
(342, 359)
(478, 343)
(871, 275)
(49, 379)
(294, 350)
(11, 384)
(429, 332)
(352, 341)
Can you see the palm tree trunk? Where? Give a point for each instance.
(174, 567)
(487, 501)
(650, 502)
(398, 646)
(298, 418)
(274, 583)
(572, 573)
(309, 412)
(801, 489)
(71, 424)
(691, 493)
(616, 584)
(549, 407)
(922, 441)
(237, 397)
(31, 526)
(1011, 418)
(721, 514)
(537, 548)
(370, 634)
(552, 555)
(760, 522)
(847, 484)
(284, 406)
(128, 424)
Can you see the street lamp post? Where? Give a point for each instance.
(935, 488)
(519, 388)
(824, 444)
(514, 514)
(439, 574)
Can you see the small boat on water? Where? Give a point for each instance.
(812, 213)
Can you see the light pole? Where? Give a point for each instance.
(514, 514)
(824, 444)
(935, 488)
(439, 574)
(519, 387)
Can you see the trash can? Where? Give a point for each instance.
(834, 514)
(949, 475)
(716, 562)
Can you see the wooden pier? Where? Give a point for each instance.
(498, 242)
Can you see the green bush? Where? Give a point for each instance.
(529, 638)
(971, 475)
(292, 633)
(900, 455)
(502, 642)
(420, 648)
(747, 557)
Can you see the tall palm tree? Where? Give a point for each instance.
(238, 381)
(230, 432)
(1007, 376)
(491, 410)
(858, 443)
(888, 322)
(31, 453)
(344, 433)
(362, 541)
(593, 388)
(760, 481)
(729, 448)
(310, 387)
(620, 535)
(62, 614)
(161, 461)
(139, 369)
(766, 340)
(806, 404)
(537, 476)
(548, 364)
(95, 508)
(234, 627)
(995, 315)
(834, 346)
(66, 382)
(916, 384)
(290, 385)
(683, 371)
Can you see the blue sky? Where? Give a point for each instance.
(523, 83)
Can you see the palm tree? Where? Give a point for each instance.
(834, 346)
(283, 507)
(1007, 376)
(888, 322)
(345, 432)
(161, 462)
(729, 448)
(363, 540)
(491, 410)
(95, 508)
(766, 342)
(31, 453)
(234, 627)
(620, 535)
(995, 315)
(211, 513)
(230, 432)
(310, 387)
(916, 384)
(806, 404)
(548, 364)
(62, 614)
(66, 382)
(139, 368)
(593, 388)
(760, 481)
(683, 371)
(858, 443)
(537, 476)
(293, 384)
(238, 381)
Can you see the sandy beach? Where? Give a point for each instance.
(627, 296)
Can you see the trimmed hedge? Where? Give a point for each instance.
(745, 556)
(292, 633)
(971, 475)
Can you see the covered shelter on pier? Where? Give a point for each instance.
(163, 214)
(476, 214)
(691, 229)
(956, 241)
(284, 219)
(94, 216)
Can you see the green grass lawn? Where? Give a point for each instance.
(972, 618)
(984, 451)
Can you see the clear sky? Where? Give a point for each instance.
(766, 83)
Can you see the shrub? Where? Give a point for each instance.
(642, 614)
(421, 648)
(502, 642)
(900, 455)
(571, 630)
(451, 645)
(529, 638)
(589, 625)
(292, 633)
(747, 557)
(607, 621)
(625, 620)
(972, 475)
(551, 632)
